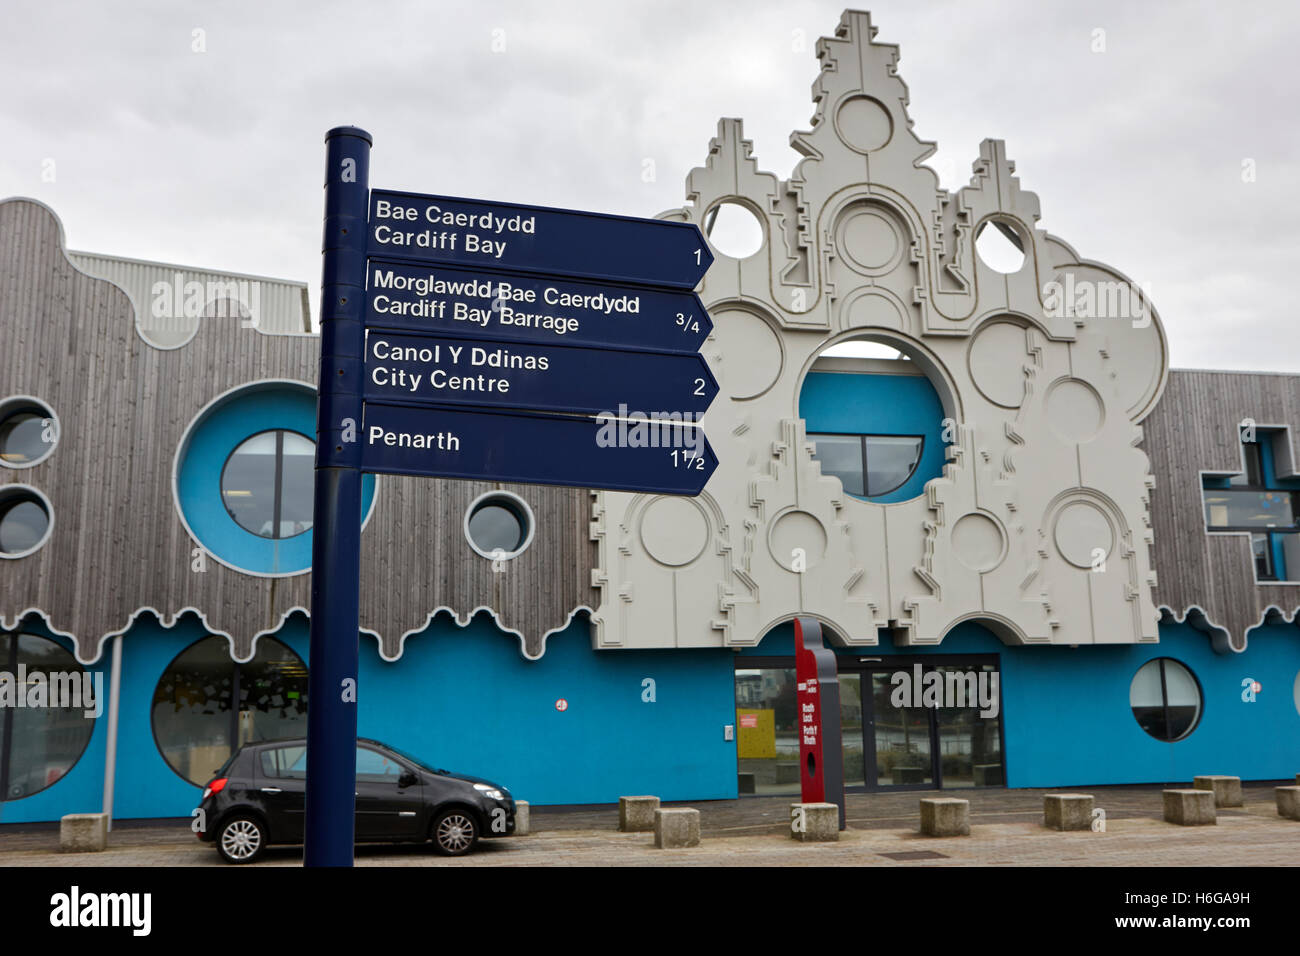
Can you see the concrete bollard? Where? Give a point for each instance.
(678, 827)
(815, 822)
(636, 814)
(523, 823)
(1067, 811)
(1288, 802)
(1189, 808)
(1226, 790)
(945, 817)
(83, 833)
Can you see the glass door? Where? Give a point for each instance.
(970, 739)
(901, 735)
(852, 725)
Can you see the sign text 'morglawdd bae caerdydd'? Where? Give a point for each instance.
(528, 308)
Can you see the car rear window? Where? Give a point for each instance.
(289, 763)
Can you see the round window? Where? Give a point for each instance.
(267, 484)
(244, 478)
(28, 432)
(44, 738)
(24, 521)
(499, 525)
(1166, 699)
(206, 705)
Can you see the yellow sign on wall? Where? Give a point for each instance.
(756, 734)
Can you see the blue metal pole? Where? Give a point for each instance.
(336, 523)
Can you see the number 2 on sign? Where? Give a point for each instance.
(688, 460)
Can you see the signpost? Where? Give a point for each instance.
(481, 340)
(817, 694)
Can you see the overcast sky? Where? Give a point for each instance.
(215, 159)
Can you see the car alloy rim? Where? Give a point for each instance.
(241, 839)
(455, 832)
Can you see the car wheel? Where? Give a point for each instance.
(455, 832)
(241, 840)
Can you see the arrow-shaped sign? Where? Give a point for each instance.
(527, 308)
(448, 370)
(653, 457)
(584, 245)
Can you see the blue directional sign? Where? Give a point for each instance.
(538, 239)
(658, 457)
(550, 378)
(526, 308)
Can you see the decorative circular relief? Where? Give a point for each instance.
(1082, 529)
(864, 123)
(1074, 411)
(869, 240)
(996, 357)
(674, 531)
(978, 542)
(794, 535)
(751, 353)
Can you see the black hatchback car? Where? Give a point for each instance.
(257, 799)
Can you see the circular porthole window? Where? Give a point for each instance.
(499, 525)
(1166, 699)
(25, 521)
(267, 483)
(1000, 246)
(28, 432)
(244, 478)
(733, 230)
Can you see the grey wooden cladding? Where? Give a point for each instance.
(118, 544)
(1195, 429)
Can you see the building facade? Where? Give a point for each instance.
(1043, 557)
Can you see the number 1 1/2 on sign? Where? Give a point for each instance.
(648, 456)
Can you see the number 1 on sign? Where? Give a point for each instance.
(697, 257)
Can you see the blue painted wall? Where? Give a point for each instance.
(862, 404)
(466, 700)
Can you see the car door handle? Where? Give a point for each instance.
(406, 813)
(271, 790)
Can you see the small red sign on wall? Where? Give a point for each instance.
(749, 720)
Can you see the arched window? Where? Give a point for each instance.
(206, 705)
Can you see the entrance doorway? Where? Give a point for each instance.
(910, 723)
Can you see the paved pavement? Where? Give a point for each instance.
(1005, 830)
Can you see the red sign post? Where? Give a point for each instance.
(821, 758)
